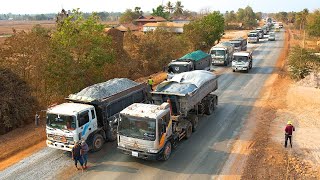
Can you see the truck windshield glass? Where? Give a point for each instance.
(252, 35)
(178, 68)
(218, 52)
(236, 44)
(61, 121)
(142, 128)
(240, 58)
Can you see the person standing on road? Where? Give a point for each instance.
(288, 133)
(150, 83)
(76, 155)
(84, 152)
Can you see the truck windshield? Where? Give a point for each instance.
(178, 68)
(142, 128)
(236, 44)
(61, 121)
(240, 58)
(252, 35)
(218, 52)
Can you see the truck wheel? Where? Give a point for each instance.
(188, 131)
(233, 70)
(194, 121)
(112, 134)
(201, 108)
(97, 142)
(167, 151)
(209, 107)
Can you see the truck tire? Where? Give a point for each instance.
(201, 108)
(194, 121)
(112, 134)
(166, 151)
(209, 108)
(188, 130)
(233, 70)
(97, 142)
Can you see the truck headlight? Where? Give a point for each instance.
(152, 150)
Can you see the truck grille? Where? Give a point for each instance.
(59, 138)
(136, 144)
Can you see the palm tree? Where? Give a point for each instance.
(178, 8)
(169, 7)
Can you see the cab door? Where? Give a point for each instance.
(87, 123)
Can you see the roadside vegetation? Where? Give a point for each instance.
(53, 63)
(302, 59)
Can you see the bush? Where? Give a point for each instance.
(301, 62)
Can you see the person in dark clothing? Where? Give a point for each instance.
(76, 155)
(84, 152)
(288, 133)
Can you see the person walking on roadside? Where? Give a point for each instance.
(76, 155)
(150, 83)
(84, 152)
(288, 133)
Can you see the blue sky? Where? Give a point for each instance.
(53, 6)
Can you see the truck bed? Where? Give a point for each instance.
(190, 94)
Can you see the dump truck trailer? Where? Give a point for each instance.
(197, 60)
(91, 114)
(150, 131)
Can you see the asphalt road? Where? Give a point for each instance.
(201, 156)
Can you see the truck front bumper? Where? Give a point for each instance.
(218, 62)
(141, 154)
(58, 145)
(239, 68)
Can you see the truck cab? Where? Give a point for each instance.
(253, 37)
(222, 53)
(69, 122)
(240, 44)
(242, 61)
(144, 130)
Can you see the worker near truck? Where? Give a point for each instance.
(288, 133)
(84, 152)
(76, 155)
(150, 83)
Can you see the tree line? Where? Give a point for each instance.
(246, 16)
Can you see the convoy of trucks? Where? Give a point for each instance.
(197, 60)
(150, 131)
(91, 114)
(147, 124)
(222, 53)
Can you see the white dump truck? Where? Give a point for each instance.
(150, 131)
(92, 114)
(242, 61)
(222, 53)
(253, 37)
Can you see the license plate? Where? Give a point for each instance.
(135, 154)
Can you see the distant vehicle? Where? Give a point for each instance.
(197, 60)
(242, 61)
(222, 53)
(265, 29)
(253, 37)
(152, 131)
(240, 44)
(92, 117)
(272, 36)
(276, 27)
(260, 32)
(280, 24)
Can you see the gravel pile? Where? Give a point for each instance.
(106, 89)
(312, 80)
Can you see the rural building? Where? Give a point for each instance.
(170, 26)
(181, 19)
(142, 20)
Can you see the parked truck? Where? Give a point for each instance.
(197, 60)
(242, 61)
(240, 44)
(222, 53)
(91, 114)
(150, 131)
